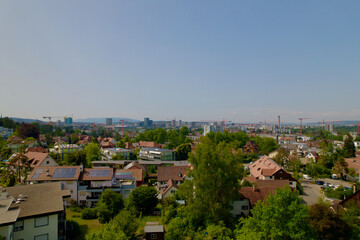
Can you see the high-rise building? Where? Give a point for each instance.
(108, 121)
(180, 123)
(173, 122)
(147, 122)
(68, 120)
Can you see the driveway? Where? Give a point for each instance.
(312, 191)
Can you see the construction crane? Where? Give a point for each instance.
(252, 125)
(301, 119)
(222, 122)
(264, 127)
(323, 123)
(122, 126)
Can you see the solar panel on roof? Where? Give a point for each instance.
(37, 173)
(100, 173)
(124, 176)
(64, 173)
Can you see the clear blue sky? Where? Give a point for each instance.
(193, 60)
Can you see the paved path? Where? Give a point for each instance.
(312, 191)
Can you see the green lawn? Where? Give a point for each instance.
(143, 220)
(86, 226)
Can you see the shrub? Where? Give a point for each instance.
(89, 213)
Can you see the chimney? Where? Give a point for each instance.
(81, 167)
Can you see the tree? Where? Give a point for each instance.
(281, 157)
(26, 130)
(92, 152)
(349, 147)
(350, 214)
(340, 167)
(182, 151)
(111, 231)
(215, 175)
(279, 216)
(109, 205)
(75, 158)
(326, 223)
(143, 199)
(127, 222)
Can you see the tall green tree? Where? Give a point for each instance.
(143, 199)
(75, 158)
(349, 147)
(92, 152)
(109, 205)
(279, 216)
(214, 183)
(182, 151)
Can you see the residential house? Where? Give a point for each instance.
(154, 232)
(314, 156)
(67, 176)
(156, 154)
(266, 169)
(129, 145)
(176, 173)
(250, 147)
(33, 212)
(15, 143)
(138, 174)
(107, 143)
(171, 188)
(353, 163)
(355, 199)
(251, 195)
(92, 182)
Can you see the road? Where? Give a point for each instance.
(312, 191)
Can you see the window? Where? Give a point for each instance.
(47, 162)
(153, 236)
(19, 226)
(244, 207)
(42, 237)
(41, 221)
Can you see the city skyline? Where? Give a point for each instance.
(203, 60)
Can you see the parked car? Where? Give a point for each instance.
(320, 182)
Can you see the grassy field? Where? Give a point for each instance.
(85, 226)
(143, 220)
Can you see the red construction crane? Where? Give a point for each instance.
(323, 123)
(122, 127)
(264, 127)
(301, 124)
(223, 122)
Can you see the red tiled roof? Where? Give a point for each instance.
(255, 194)
(146, 144)
(264, 162)
(36, 158)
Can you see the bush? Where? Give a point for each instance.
(73, 229)
(89, 213)
(75, 209)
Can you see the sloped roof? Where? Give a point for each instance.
(170, 184)
(147, 144)
(255, 194)
(262, 163)
(40, 199)
(176, 173)
(97, 174)
(40, 173)
(136, 173)
(134, 165)
(36, 158)
(154, 229)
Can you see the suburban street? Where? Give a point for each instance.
(312, 191)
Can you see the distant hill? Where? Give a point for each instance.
(25, 120)
(103, 120)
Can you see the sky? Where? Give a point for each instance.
(242, 61)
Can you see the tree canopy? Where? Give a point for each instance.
(214, 183)
(109, 205)
(143, 199)
(279, 216)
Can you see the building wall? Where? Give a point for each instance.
(51, 161)
(6, 231)
(30, 231)
(159, 236)
(72, 186)
(241, 207)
